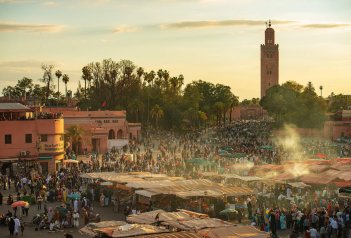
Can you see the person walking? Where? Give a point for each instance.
(17, 225)
(39, 201)
(22, 228)
(76, 219)
(11, 226)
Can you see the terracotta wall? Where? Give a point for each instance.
(18, 129)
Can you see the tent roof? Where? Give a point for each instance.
(182, 234)
(234, 232)
(13, 107)
(129, 230)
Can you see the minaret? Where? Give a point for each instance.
(269, 61)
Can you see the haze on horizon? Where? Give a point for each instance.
(212, 40)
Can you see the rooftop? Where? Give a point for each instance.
(13, 107)
(98, 114)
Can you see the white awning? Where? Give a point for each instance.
(118, 143)
(145, 193)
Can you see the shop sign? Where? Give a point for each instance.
(54, 147)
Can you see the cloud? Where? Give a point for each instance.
(219, 23)
(26, 64)
(50, 4)
(124, 29)
(14, 1)
(326, 25)
(13, 27)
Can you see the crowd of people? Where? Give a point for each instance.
(161, 152)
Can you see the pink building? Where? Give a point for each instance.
(341, 127)
(251, 112)
(30, 139)
(103, 130)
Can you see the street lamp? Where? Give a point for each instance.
(321, 88)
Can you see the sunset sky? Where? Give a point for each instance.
(213, 40)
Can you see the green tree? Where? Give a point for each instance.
(65, 80)
(218, 107)
(47, 79)
(338, 102)
(75, 134)
(86, 77)
(302, 108)
(58, 74)
(157, 113)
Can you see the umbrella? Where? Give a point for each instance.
(19, 204)
(228, 211)
(266, 147)
(239, 155)
(63, 211)
(73, 196)
(106, 184)
(320, 156)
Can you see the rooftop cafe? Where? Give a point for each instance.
(17, 111)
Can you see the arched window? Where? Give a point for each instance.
(119, 134)
(111, 135)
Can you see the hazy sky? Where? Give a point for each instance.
(213, 40)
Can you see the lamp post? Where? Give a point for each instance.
(321, 88)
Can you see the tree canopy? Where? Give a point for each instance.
(295, 104)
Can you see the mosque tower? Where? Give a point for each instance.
(269, 61)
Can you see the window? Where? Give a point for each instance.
(44, 138)
(8, 139)
(28, 138)
(61, 137)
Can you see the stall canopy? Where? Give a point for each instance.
(107, 227)
(149, 217)
(234, 232)
(130, 230)
(174, 235)
(299, 185)
(182, 220)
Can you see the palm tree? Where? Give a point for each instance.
(140, 72)
(86, 77)
(75, 134)
(47, 78)
(157, 113)
(65, 79)
(58, 74)
(218, 108)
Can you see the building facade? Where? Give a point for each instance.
(102, 130)
(29, 140)
(340, 126)
(269, 61)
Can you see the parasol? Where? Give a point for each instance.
(228, 211)
(266, 147)
(320, 156)
(19, 204)
(73, 196)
